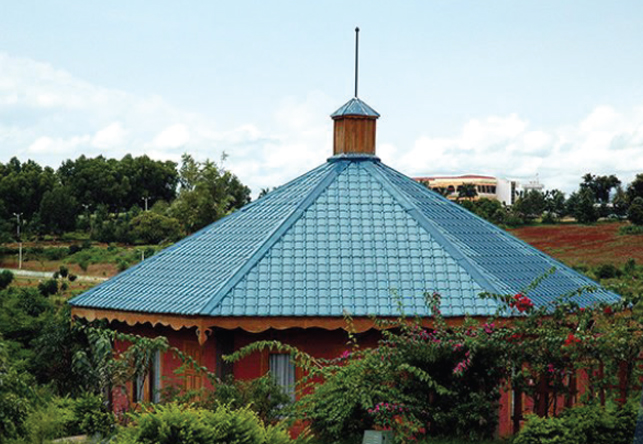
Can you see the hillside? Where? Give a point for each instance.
(576, 244)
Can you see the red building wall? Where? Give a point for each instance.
(314, 341)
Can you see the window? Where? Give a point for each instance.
(147, 386)
(155, 378)
(138, 388)
(282, 370)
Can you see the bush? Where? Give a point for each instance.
(607, 271)
(121, 264)
(176, 424)
(631, 229)
(92, 416)
(6, 278)
(263, 395)
(48, 287)
(583, 424)
(50, 420)
(55, 254)
(549, 218)
(64, 271)
(546, 431)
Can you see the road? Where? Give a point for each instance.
(50, 274)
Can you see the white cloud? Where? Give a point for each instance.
(50, 145)
(605, 142)
(174, 136)
(110, 136)
(49, 115)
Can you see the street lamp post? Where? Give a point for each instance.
(19, 240)
(145, 199)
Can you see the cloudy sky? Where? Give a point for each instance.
(506, 88)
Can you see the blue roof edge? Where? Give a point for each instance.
(155, 257)
(272, 238)
(559, 265)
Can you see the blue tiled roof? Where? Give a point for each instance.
(352, 234)
(355, 107)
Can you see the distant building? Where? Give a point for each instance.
(488, 187)
(533, 185)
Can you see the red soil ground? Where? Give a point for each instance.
(576, 244)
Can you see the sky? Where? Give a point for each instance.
(514, 89)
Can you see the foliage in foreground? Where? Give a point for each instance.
(446, 380)
(579, 425)
(182, 424)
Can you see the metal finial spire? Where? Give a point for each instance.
(356, 57)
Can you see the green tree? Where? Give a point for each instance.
(555, 202)
(467, 191)
(95, 181)
(635, 189)
(635, 212)
(600, 186)
(530, 205)
(620, 202)
(208, 192)
(22, 186)
(152, 228)
(581, 205)
(58, 210)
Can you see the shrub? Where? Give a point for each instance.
(92, 416)
(48, 287)
(64, 271)
(607, 271)
(549, 218)
(583, 424)
(630, 267)
(631, 229)
(56, 253)
(6, 278)
(512, 220)
(176, 424)
(121, 264)
(50, 420)
(263, 395)
(72, 277)
(546, 431)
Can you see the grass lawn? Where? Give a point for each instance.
(576, 244)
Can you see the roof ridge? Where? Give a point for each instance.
(273, 237)
(433, 230)
(558, 265)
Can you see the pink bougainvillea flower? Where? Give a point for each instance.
(571, 339)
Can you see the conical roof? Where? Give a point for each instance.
(355, 107)
(351, 235)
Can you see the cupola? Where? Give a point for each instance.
(354, 128)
